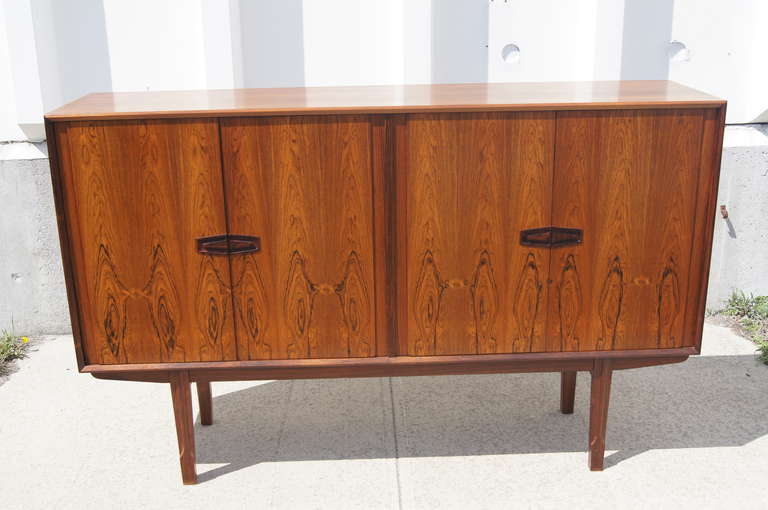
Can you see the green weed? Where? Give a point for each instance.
(12, 347)
(751, 315)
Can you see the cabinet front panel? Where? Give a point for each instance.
(629, 180)
(304, 186)
(138, 194)
(472, 182)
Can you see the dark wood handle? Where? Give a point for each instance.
(550, 237)
(228, 244)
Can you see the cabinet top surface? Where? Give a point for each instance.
(386, 99)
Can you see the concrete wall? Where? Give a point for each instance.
(32, 294)
(740, 251)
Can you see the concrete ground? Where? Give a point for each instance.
(692, 435)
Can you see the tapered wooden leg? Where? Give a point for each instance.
(206, 402)
(598, 412)
(567, 391)
(181, 394)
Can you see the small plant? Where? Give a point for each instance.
(751, 315)
(762, 349)
(12, 347)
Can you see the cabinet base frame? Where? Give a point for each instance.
(180, 376)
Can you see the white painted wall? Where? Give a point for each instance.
(21, 60)
(556, 40)
(155, 45)
(353, 42)
(726, 53)
(52, 51)
(222, 43)
(460, 31)
(9, 127)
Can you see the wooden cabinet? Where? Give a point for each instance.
(386, 231)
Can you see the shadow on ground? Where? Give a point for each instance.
(715, 401)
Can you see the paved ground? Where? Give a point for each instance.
(693, 435)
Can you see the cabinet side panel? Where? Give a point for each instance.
(472, 183)
(304, 185)
(706, 213)
(139, 194)
(65, 212)
(629, 180)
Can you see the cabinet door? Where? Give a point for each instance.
(629, 180)
(138, 194)
(304, 186)
(471, 183)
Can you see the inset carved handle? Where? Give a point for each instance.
(550, 237)
(228, 244)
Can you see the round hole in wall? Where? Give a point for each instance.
(511, 53)
(678, 52)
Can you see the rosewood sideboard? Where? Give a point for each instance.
(386, 231)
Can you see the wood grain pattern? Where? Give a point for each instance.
(401, 158)
(528, 303)
(138, 194)
(181, 396)
(669, 305)
(569, 304)
(600, 394)
(629, 180)
(304, 185)
(472, 182)
(454, 97)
